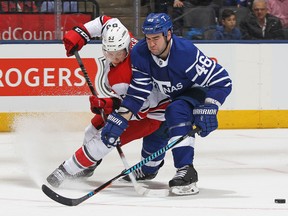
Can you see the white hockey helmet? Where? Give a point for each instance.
(116, 38)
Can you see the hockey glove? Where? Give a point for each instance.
(75, 39)
(107, 104)
(206, 118)
(113, 129)
(97, 121)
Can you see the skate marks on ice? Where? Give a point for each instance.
(241, 172)
(42, 141)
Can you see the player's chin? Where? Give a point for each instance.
(154, 52)
(115, 63)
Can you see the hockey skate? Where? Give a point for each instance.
(57, 177)
(141, 176)
(184, 182)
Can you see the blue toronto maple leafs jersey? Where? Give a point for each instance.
(186, 67)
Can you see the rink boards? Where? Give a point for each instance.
(37, 79)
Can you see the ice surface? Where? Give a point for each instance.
(241, 172)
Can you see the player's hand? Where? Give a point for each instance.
(107, 104)
(75, 39)
(206, 118)
(114, 127)
(97, 121)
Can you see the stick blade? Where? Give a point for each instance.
(159, 193)
(58, 198)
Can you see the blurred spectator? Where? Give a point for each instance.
(238, 3)
(215, 4)
(157, 6)
(260, 24)
(228, 29)
(18, 6)
(38, 3)
(177, 13)
(28, 6)
(7, 6)
(161, 6)
(181, 8)
(200, 2)
(279, 8)
(67, 6)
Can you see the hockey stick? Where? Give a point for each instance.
(88, 81)
(139, 189)
(76, 201)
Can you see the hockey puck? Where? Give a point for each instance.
(280, 200)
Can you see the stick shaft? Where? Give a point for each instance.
(92, 89)
(84, 71)
(73, 202)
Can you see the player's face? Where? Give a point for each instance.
(115, 57)
(157, 43)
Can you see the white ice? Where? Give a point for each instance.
(241, 172)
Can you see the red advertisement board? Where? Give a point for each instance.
(44, 76)
(37, 26)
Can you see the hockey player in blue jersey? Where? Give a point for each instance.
(196, 85)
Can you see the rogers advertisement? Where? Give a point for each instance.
(44, 76)
(36, 77)
(37, 26)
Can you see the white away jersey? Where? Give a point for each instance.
(118, 78)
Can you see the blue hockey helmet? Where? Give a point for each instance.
(157, 23)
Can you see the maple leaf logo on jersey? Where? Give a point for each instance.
(165, 86)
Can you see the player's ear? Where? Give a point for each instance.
(169, 35)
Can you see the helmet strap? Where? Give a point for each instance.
(167, 44)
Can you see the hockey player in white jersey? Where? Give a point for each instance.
(197, 86)
(116, 44)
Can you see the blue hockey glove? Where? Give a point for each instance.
(113, 129)
(206, 118)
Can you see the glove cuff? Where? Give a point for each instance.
(212, 101)
(117, 119)
(82, 31)
(207, 109)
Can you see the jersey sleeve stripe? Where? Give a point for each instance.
(139, 98)
(143, 79)
(228, 84)
(208, 75)
(192, 66)
(141, 83)
(215, 74)
(219, 80)
(140, 89)
(138, 71)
